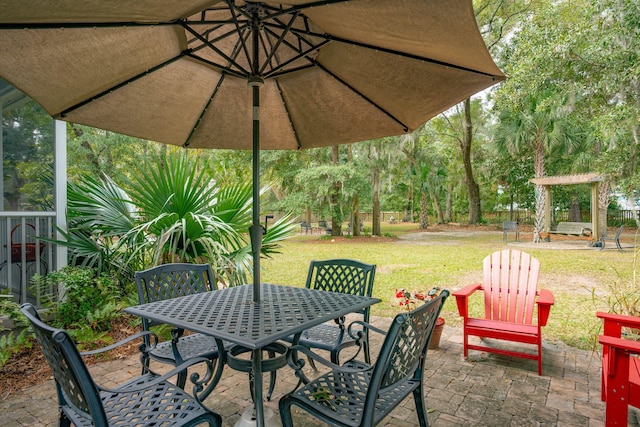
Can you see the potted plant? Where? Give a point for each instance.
(409, 300)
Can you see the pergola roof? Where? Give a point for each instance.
(584, 178)
(10, 97)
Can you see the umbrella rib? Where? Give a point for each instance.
(204, 110)
(298, 50)
(233, 9)
(224, 69)
(319, 3)
(366, 98)
(274, 71)
(119, 85)
(207, 43)
(80, 25)
(278, 42)
(393, 52)
(293, 125)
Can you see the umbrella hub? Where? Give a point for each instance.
(255, 81)
(256, 10)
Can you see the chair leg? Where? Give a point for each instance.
(421, 411)
(284, 407)
(539, 355)
(619, 246)
(312, 364)
(272, 379)
(465, 342)
(63, 421)
(181, 380)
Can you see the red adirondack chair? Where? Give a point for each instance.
(510, 298)
(620, 368)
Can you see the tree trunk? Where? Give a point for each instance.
(436, 205)
(336, 220)
(574, 209)
(448, 203)
(473, 188)
(424, 213)
(375, 229)
(307, 215)
(539, 172)
(604, 197)
(355, 216)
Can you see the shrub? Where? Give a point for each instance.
(13, 341)
(84, 297)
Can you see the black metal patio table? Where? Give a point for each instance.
(231, 315)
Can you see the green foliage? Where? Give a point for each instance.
(27, 158)
(170, 211)
(11, 342)
(85, 293)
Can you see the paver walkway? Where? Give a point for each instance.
(486, 390)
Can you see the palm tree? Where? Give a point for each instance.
(171, 212)
(540, 124)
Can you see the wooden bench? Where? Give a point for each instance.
(573, 228)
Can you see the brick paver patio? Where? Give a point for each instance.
(486, 390)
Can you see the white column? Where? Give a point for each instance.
(60, 188)
(1, 160)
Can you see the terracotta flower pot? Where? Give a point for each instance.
(437, 333)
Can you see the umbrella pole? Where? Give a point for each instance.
(256, 230)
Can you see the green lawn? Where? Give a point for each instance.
(581, 280)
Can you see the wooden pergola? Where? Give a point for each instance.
(591, 178)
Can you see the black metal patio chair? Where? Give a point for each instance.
(172, 281)
(361, 394)
(615, 239)
(337, 275)
(148, 400)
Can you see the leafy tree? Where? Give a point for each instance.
(28, 147)
(540, 125)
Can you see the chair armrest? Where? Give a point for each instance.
(356, 335)
(545, 300)
(195, 377)
(613, 323)
(462, 296)
(297, 363)
(143, 347)
(632, 347)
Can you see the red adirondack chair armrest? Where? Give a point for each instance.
(545, 300)
(618, 351)
(613, 323)
(631, 347)
(462, 296)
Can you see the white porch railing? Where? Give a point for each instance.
(23, 254)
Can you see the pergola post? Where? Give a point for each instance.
(547, 208)
(595, 211)
(593, 179)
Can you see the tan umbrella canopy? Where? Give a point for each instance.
(321, 73)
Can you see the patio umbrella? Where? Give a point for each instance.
(323, 72)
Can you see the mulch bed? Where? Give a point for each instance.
(29, 367)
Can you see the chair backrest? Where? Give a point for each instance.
(510, 286)
(342, 275)
(404, 349)
(510, 226)
(618, 232)
(172, 281)
(74, 384)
